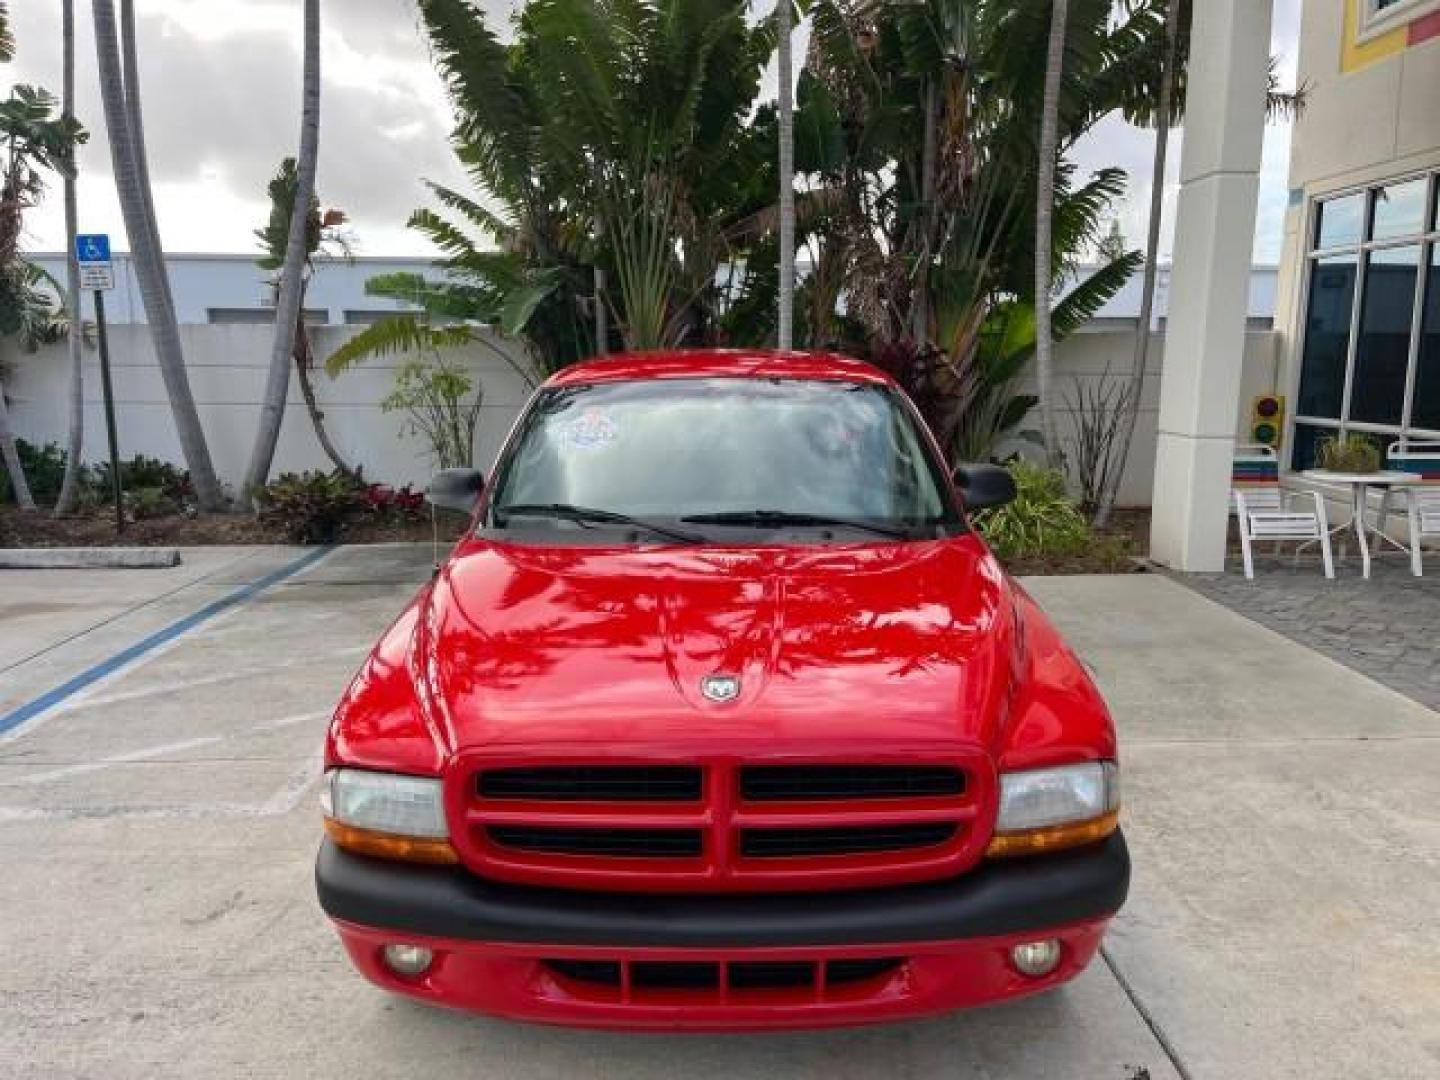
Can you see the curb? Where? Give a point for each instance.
(88, 558)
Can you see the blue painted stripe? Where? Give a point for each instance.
(51, 698)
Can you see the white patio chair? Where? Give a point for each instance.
(1265, 511)
(1421, 502)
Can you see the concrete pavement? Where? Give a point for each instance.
(157, 829)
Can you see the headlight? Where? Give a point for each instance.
(387, 815)
(1050, 809)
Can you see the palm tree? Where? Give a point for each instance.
(1045, 227)
(786, 332)
(75, 435)
(323, 233)
(120, 98)
(289, 301)
(7, 435)
(32, 141)
(130, 66)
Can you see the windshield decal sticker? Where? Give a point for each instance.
(591, 430)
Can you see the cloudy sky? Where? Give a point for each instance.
(221, 89)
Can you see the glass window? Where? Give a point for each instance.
(667, 449)
(1382, 355)
(1400, 210)
(1341, 221)
(1327, 335)
(1307, 445)
(1426, 411)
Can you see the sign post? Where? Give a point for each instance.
(97, 273)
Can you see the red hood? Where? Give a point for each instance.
(529, 648)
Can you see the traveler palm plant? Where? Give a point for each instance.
(613, 135)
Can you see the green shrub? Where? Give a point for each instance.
(144, 503)
(1352, 453)
(1042, 521)
(311, 507)
(44, 470)
(142, 472)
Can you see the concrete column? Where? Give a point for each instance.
(1209, 286)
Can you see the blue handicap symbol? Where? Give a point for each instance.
(92, 248)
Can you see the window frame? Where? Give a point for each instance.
(1371, 20)
(1428, 240)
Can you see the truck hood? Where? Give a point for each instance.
(560, 649)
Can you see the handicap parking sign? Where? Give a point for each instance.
(92, 248)
(92, 252)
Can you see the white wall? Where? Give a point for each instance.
(202, 282)
(227, 374)
(227, 366)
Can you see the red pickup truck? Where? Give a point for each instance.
(721, 716)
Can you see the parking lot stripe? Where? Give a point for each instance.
(48, 700)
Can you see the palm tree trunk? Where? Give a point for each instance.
(920, 304)
(304, 365)
(149, 261)
(1135, 390)
(288, 304)
(130, 65)
(11, 456)
(75, 436)
(786, 329)
(1044, 229)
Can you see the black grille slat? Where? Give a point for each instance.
(741, 976)
(776, 783)
(771, 974)
(842, 840)
(839, 972)
(614, 843)
(674, 975)
(594, 783)
(600, 972)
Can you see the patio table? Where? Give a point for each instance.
(1360, 485)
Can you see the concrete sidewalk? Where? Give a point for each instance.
(157, 830)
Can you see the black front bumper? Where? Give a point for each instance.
(994, 899)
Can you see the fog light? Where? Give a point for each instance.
(1036, 958)
(408, 960)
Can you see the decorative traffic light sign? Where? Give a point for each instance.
(1267, 420)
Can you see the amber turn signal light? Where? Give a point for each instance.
(388, 846)
(1052, 837)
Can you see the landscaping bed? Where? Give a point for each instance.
(1110, 552)
(97, 529)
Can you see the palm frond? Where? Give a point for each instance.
(397, 334)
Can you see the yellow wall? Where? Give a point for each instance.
(1355, 55)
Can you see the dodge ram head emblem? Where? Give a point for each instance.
(720, 688)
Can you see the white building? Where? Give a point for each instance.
(227, 289)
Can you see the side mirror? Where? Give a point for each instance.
(984, 486)
(455, 489)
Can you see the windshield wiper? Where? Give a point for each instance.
(583, 514)
(781, 518)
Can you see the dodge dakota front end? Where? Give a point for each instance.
(721, 716)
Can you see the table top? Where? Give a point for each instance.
(1383, 478)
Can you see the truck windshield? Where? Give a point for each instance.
(722, 456)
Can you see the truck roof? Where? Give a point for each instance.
(719, 363)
